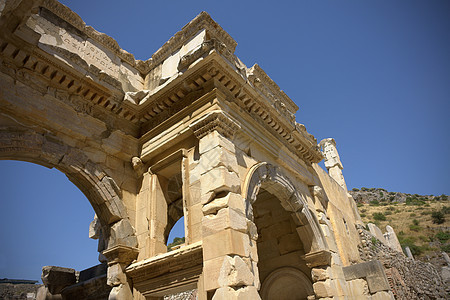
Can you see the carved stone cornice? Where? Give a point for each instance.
(75, 20)
(175, 268)
(202, 21)
(271, 90)
(48, 75)
(215, 121)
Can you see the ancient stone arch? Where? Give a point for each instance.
(100, 189)
(272, 179)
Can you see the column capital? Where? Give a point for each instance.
(216, 120)
(121, 254)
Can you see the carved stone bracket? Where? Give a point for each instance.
(216, 120)
(317, 258)
(121, 254)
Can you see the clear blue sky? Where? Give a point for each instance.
(374, 75)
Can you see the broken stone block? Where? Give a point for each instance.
(115, 275)
(57, 278)
(228, 293)
(220, 201)
(121, 292)
(225, 218)
(220, 180)
(235, 272)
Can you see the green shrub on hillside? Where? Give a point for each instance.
(378, 216)
(443, 236)
(438, 217)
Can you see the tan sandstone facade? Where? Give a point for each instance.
(191, 132)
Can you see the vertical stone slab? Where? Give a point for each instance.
(158, 217)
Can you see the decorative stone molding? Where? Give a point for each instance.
(202, 21)
(332, 158)
(169, 271)
(333, 161)
(216, 120)
(73, 19)
(121, 254)
(272, 91)
(203, 49)
(49, 77)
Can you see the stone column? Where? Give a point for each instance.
(333, 161)
(119, 257)
(229, 251)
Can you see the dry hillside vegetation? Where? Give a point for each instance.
(421, 222)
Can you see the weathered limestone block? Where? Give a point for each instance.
(376, 232)
(121, 292)
(372, 272)
(224, 219)
(116, 275)
(228, 293)
(358, 288)
(252, 230)
(57, 278)
(392, 240)
(95, 229)
(226, 242)
(122, 233)
(235, 273)
(329, 237)
(216, 157)
(319, 274)
(324, 289)
(231, 200)
(382, 296)
(213, 140)
(219, 180)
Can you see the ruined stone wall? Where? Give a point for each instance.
(408, 278)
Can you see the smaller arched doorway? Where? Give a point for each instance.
(287, 233)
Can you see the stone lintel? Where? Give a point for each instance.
(215, 120)
(372, 272)
(168, 273)
(175, 157)
(121, 254)
(317, 258)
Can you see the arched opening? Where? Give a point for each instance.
(175, 212)
(105, 197)
(45, 221)
(290, 240)
(282, 270)
(176, 235)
